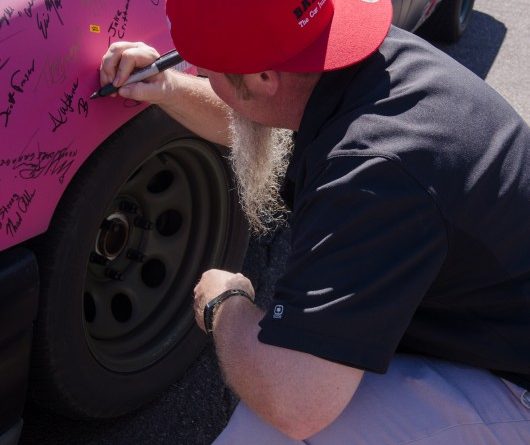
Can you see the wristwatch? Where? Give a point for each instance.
(212, 305)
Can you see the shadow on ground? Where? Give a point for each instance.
(479, 46)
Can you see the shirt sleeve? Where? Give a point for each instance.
(367, 242)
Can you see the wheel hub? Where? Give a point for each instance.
(166, 223)
(113, 236)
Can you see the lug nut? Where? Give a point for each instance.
(113, 274)
(143, 223)
(135, 255)
(98, 259)
(128, 207)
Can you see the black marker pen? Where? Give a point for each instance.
(164, 62)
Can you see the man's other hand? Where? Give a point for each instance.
(213, 283)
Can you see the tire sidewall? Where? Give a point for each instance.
(89, 387)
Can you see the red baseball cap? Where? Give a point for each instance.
(249, 36)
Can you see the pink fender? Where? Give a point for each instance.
(49, 61)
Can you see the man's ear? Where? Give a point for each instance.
(263, 84)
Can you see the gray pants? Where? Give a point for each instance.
(419, 401)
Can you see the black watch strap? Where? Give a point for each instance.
(212, 305)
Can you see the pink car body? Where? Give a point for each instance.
(49, 66)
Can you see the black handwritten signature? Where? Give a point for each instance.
(5, 18)
(14, 210)
(43, 18)
(42, 163)
(118, 25)
(28, 9)
(82, 107)
(60, 117)
(18, 83)
(8, 12)
(3, 63)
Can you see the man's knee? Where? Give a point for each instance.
(417, 400)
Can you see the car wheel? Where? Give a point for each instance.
(448, 22)
(152, 208)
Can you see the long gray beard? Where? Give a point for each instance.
(259, 157)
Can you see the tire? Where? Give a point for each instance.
(152, 208)
(448, 22)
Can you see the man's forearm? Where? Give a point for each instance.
(297, 393)
(235, 332)
(191, 101)
(243, 360)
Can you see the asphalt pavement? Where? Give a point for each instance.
(496, 46)
(194, 410)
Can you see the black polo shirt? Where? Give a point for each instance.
(410, 193)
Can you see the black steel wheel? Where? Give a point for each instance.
(150, 211)
(448, 22)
